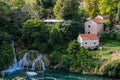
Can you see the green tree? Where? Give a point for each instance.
(4, 8)
(92, 7)
(8, 28)
(111, 68)
(35, 35)
(56, 35)
(80, 56)
(45, 7)
(109, 7)
(82, 14)
(15, 4)
(6, 55)
(118, 13)
(73, 48)
(66, 9)
(118, 36)
(71, 29)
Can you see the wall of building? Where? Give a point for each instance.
(100, 28)
(90, 27)
(79, 39)
(90, 44)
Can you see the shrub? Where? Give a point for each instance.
(6, 55)
(111, 68)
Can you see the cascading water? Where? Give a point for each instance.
(14, 67)
(15, 59)
(25, 62)
(39, 58)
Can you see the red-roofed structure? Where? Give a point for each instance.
(89, 36)
(94, 26)
(88, 41)
(103, 17)
(98, 21)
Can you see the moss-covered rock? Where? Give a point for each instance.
(33, 58)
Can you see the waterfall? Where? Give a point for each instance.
(25, 62)
(15, 59)
(14, 67)
(39, 58)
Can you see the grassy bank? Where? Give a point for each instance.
(91, 62)
(110, 53)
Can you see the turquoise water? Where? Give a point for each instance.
(51, 75)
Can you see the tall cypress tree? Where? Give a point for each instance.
(118, 13)
(66, 9)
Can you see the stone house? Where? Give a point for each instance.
(88, 41)
(94, 26)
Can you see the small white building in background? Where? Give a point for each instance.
(88, 41)
(94, 26)
(51, 22)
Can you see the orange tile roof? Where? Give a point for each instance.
(89, 36)
(99, 21)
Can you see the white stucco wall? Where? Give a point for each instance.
(100, 28)
(94, 27)
(90, 44)
(79, 39)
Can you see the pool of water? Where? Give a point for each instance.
(51, 75)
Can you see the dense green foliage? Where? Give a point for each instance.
(6, 55)
(105, 7)
(56, 36)
(35, 35)
(111, 68)
(108, 7)
(66, 9)
(22, 21)
(92, 7)
(75, 58)
(111, 35)
(6, 35)
(118, 13)
(71, 29)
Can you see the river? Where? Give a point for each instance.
(51, 75)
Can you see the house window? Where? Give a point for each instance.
(88, 32)
(94, 42)
(89, 26)
(117, 29)
(85, 42)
